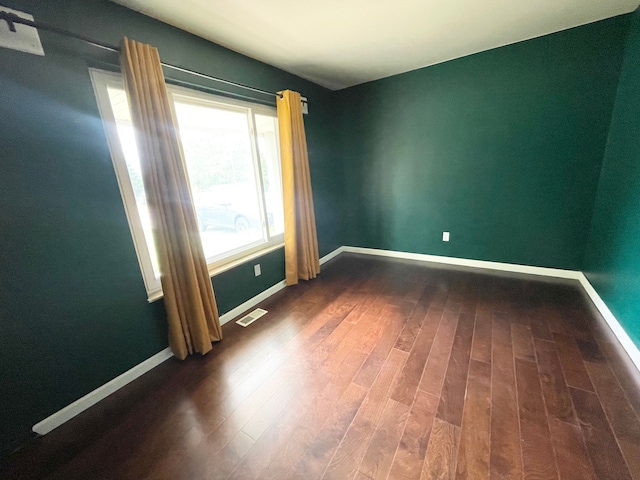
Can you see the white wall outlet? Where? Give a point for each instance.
(24, 39)
(256, 269)
(445, 236)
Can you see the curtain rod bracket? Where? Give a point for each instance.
(12, 19)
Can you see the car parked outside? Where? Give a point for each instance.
(225, 215)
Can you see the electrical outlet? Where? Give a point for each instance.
(445, 236)
(256, 269)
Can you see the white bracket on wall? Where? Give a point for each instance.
(24, 39)
(305, 105)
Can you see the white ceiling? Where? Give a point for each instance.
(339, 43)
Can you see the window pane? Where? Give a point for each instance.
(268, 148)
(120, 107)
(234, 172)
(217, 150)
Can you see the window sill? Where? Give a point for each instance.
(218, 269)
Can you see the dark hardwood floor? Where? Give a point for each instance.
(377, 369)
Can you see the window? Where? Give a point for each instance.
(232, 158)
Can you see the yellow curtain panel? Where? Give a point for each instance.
(300, 237)
(188, 295)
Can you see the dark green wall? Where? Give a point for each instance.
(612, 261)
(73, 308)
(502, 148)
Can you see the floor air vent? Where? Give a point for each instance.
(249, 318)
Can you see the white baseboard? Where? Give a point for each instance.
(91, 398)
(464, 262)
(252, 302)
(332, 255)
(80, 405)
(612, 321)
(619, 332)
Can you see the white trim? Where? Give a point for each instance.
(617, 329)
(622, 336)
(70, 411)
(228, 266)
(247, 258)
(67, 413)
(101, 81)
(332, 255)
(252, 302)
(506, 267)
(91, 398)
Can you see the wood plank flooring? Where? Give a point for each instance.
(377, 369)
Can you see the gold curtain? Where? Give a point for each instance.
(188, 295)
(300, 238)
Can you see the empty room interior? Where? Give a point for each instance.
(320, 239)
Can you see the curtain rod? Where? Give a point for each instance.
(12, 18)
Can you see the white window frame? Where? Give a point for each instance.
(102, 80)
